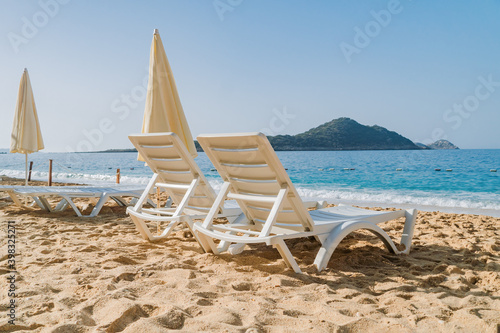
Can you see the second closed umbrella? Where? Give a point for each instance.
(163, 111)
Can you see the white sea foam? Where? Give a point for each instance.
(458, 202)
(79, 178)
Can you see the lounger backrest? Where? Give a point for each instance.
(168, 157)
(248, 162)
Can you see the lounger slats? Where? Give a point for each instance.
(261, 188)
(173, 185)
(252, 198)
(236, 142)
(200, 202)
(235, 157)
(167, 177)
(199, 199)
(260, 172)
(161, 152)
(288, 218)
(171, 165)
(237, 230)
(198, 208)
(284, 217)
(266, 206)
(258, 213)
(155, 141)
(249, 156)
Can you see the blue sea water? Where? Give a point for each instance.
(469, 188)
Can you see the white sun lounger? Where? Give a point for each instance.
(101, 194)
(175, 172)
(254, 177)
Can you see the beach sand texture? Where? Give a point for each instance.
(98, 275)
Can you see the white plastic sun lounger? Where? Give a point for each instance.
(68, 193)
(254, 177)
(175, 172)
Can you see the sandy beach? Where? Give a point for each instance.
(98, 275)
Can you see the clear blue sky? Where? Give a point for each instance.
(430, 70)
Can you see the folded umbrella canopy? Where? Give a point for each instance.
(26, 136)
(163, 111)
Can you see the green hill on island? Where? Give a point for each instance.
(343, 134)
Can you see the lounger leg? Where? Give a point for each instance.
(234, 248)
(197, 236)
(207, 243)
(15, 199)
(93, 201)
(145, 194)
(141, 227)
(321, 238)
(120, 201)
(61, 205)
(99, 205)
(287, 255)
(166, 232)
(339, 232)
(72, 204)
(42, 203)
(406, 238)
(168, 203)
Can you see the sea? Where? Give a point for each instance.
(458, 181)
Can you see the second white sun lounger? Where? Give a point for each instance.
(175, 172)
(256, 179)
(68, 193)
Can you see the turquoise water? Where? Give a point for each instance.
(469, 187)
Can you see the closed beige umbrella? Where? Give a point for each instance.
(26, 135)
(163, 111)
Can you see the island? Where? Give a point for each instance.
(442, 144)
(343, 134)
(339, 134)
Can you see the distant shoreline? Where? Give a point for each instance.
(133, 150)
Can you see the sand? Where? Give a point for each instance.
(97, 275)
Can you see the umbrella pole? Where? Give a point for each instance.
(26, 178)
(26, 173)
